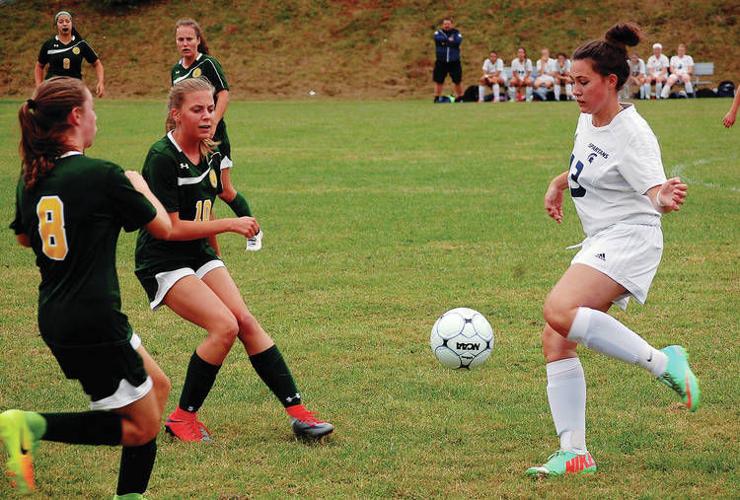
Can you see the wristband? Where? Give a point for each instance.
(240, 206)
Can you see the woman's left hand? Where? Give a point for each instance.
(671, 194)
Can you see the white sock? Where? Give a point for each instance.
(647, 90)
(496, 92)
(569, 90)
(689, 88)
(566, 392)
(666, 92)
(481, 93)
(601, 332)
(658, 89)
(528, 93)
(556, 90)
(512, 93)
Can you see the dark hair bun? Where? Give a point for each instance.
(624, 34)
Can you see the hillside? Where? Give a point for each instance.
(349, 48)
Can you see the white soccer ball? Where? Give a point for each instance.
(462, 338)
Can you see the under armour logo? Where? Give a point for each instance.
(297, 397)
(184, 166)
(601, 256)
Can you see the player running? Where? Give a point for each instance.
(617, 183)
(188, 276)
(197, 63)
(64, 52)
(70, 209)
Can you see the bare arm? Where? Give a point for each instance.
(100, 74)
(160, 226)
(669, 196)
(729, 119)
(221, 105)
(38, 73)
(185, 230)
(554, 197)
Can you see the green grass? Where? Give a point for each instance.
(379, 216)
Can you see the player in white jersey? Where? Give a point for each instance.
(682, 67)
(637, 77)
(563, 77)
(657, 70)
(521, 71)
(493, 76)
(618, 186)
(546, 70)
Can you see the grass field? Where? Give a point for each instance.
(379, 216)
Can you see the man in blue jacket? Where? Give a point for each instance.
(447, 41)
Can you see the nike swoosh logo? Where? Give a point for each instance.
(24, 450)
(650, 358)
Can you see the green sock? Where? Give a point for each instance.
(36, 423)
(240, 206)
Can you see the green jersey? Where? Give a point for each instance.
(73, 217)
(66, 59)
(209, 68)
(183, 187)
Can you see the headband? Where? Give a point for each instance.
(61, 13)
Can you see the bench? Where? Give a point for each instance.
(702, 69)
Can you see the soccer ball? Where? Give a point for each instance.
(462, 338)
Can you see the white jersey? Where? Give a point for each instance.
(611, 168)
(550, 67)
(655, 65)
(638, 68)
(490, 68)
(681, 65)
(565, 68)
(521, 68)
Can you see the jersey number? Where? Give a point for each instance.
(203, 210)
(580, 191)
(50, 211)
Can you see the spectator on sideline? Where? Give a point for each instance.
(546, 70)
(637, 78)
(447, 41)
(493, 76)
(657, 71)
(729, 119)
(682, 67)
(521, 71)
(64, 53)
(563, 77)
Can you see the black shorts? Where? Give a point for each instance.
(442, 69)
(222, 137)
(101, 368)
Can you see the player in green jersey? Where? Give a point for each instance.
(196, 62)
(64, 53)
(70, 209)
(186, 274)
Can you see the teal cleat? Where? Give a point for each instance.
(679, 377)
(562, 462)
(20, 432)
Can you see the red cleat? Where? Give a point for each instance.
(186, 427)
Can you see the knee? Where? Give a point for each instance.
(558, 315)
(144, 430)
(248, 324)
(162, 385)
(225, 331)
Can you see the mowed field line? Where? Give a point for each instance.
(378, 217)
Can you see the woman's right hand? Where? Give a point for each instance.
(554, 202)
(246, 226)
